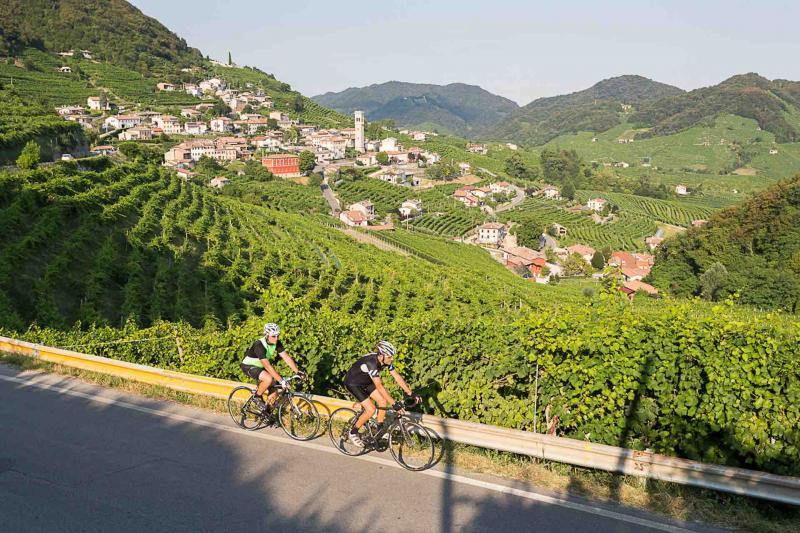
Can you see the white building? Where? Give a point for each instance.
(221, 124)
(597, 204)
(410, 207)
(365, 207)
(681, 190)
(359, 118)
(122, 121)
(165, 86)
(353, 218)
(168, 123)
(551, 192)
(219, 182)
(137, 133)
(389, 145)
(491, 233)
(195, 128)
(96, 103)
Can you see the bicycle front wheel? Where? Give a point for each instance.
(339, 424)
(299, 418)
(243, 409)
(411, 446)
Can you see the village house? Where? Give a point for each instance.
(681, 190)
(398, 157)
(551, 193)
(418, 135)
(122, 121)
(368, 159)
(597, 204)
(365, 207)
(389, 144)
(394, 175)
(353, 218)
(512, 146)
(279, 116)
(219, 182)
(252, 125)
(267, 142)
(621, 164)
(189, 112)
(409, 207)
(192, 89)
(195, 128)
(165, 86)
(168, 123)
(68, 110)
(522, 257)
(431, 157)
(654, 242)
(282, 165)
(629, 288)
(137, 133)
(586, 252)
(633, 266)
(481, 192)
(501, 187)
(465, 196)
(477, 148)
(185, 173)
(559, 230)
(97, 103)
(491, 233)
(465, 168)
(773, 151)
(65, 70)
(84, 120)
(104, 149)
(221, 124)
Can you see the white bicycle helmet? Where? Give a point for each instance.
(271, 328)
(386, 348)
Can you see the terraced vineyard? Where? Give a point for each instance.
(676, 212)
(279, 194)
(627, 232)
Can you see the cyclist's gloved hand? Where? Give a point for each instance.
(413, 399)
(397, 406)
(284, 383)
(302, 375)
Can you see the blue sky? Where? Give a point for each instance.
(521, 50)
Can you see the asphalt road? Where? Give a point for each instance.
(77, 457)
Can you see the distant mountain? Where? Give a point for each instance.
(752, 249)
(457, 108)
(112, 30)
(775, 105)
(594, 109)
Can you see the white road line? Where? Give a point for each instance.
(495, 487)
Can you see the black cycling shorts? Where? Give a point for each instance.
(251, 371)
(361, 392)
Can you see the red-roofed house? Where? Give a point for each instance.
(582, 250)
(632, 287)
(284, 165)
(353, 218)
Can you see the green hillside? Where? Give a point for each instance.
(454, 108)
(775, 105)
(112, 30)
(597, 108)
(757, 244)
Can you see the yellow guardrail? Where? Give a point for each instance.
(581, 453)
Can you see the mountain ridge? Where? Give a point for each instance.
(456, 107)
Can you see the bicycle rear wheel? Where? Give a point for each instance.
(299, 418)
(411, 446)
(339, 424)
(243, 409)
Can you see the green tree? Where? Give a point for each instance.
(208, 165)
(307, 161)
(574, 265)
(516, 167)
(230, 60)
(598, 261)
(382, 158)
(30, 156)
(298, 104)
(568, 191)
(713, 280)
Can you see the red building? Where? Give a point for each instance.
(284, 165)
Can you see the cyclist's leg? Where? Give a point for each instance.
(361, 394)
(264, 381)
(375, 395)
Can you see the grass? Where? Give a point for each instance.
(666, 499)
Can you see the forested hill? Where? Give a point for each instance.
(594, 109)
(774, 104)
(752, 249)
(112, 30)
(456, 108)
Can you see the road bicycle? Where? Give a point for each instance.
(409, 442)
(293, 411)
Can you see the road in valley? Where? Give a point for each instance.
(78, 457)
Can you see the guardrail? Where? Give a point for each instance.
(740, 481)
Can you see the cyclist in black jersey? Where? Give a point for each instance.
(364, 382)
(258, 359)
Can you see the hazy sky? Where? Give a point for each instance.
(518, 49)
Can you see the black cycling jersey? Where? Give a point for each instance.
(363, 370)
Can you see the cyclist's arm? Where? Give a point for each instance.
(270, 369)
(382, 390)
(400, 381)
(289, 361)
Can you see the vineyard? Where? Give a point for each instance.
(627, 231)
(133, 252)
(443, 215)
(279, 194)
(675, 212)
